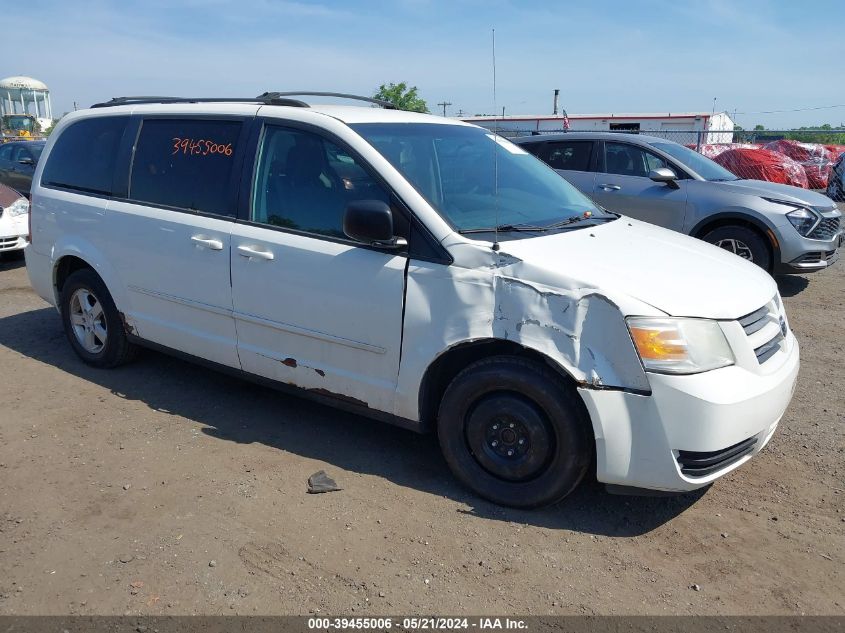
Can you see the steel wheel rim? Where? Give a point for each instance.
(737, 247)
(88, 321)
(510, 437)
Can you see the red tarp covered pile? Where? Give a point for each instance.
(711, 150)
(814, 157)
(763, 164)
(835, 151)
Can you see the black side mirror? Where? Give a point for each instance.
(371, 222)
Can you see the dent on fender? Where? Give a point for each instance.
(486, 297)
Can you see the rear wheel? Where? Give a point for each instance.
(742, 241)
(92, 323)
(512, 432)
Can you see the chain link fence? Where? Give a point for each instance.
(811, 159)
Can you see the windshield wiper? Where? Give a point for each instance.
(504, 228)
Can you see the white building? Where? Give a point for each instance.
(25, 95)
(682, 127)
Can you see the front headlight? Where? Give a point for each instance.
(18, 207)
(680, 346)
(803, 220)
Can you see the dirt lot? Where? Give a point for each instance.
(165, 488)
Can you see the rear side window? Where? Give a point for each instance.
(572, 155)
(186, 164)
(84, 156)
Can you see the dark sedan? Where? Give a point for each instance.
(17, 164)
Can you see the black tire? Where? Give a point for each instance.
(527, 401)
(757, 251)
(116, 350)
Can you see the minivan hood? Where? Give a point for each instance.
(672, 272)
(777, 191)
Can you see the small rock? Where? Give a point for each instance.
(381, 594)
(426, 581)
(126, 558)
(724, 535)
(19, 589)
(695, 587)
(212, 563)
(126, 486)
(774, 518)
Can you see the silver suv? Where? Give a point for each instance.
(783, 229)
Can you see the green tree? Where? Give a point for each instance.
(758, 128)
(402, 97)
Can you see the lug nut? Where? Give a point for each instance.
(511, 424)
(494, 443)
(510, 453)
(522, 441)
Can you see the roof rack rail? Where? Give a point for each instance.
(265, 99)
(281, 95)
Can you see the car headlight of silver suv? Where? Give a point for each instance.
(680, 346)
(803, 219)
(18, 207)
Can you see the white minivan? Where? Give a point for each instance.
(418, 270)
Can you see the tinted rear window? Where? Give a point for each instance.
(84, 156)
(186, 164)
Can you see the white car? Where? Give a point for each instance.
(418, 270)
(14, 220)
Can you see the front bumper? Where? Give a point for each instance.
(804, 255)
(13, 232)
(650, 441)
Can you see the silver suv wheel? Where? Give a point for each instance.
(737, 247)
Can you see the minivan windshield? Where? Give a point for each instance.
(477, 180)
(700, 164)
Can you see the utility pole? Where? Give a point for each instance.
(444, 104)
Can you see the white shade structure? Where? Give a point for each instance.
(25, 95)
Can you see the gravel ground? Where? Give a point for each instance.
(166, 488)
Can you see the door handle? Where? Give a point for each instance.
(253, 253)
(214, 245)
(610, 187)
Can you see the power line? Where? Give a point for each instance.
(444, 104)
(841, 105)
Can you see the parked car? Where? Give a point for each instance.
(836, 183)
(14, 220)
(17, 163)
(418, 270)
(780, 228)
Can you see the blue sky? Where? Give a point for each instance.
(612, 56)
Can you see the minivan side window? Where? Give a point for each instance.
(572, 155)
(304, 182)
(630, 160)
(83, 158)
(186, 164)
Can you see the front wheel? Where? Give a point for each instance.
(92, 323)
(742, 241)
(513, 432)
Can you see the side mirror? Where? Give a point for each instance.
(26, 161)
(371, 222)
(664, 174)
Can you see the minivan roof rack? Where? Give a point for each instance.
(342, 95)
(266, 99)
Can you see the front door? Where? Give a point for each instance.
(313, 308)
(624, 187)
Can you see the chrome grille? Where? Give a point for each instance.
(826, 229)
(765, 330)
